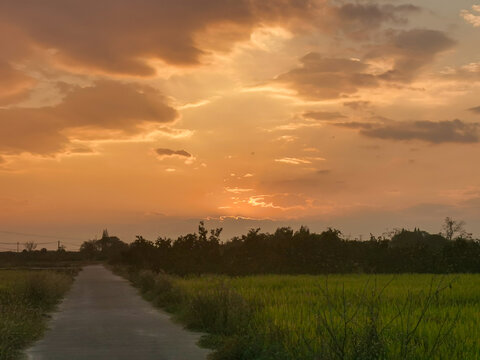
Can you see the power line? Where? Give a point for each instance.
(56, 244)
(7, 249)
(39, 235)
(70, 244)
(15, 242)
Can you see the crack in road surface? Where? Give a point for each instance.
(103, 317)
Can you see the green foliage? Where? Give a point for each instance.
(341, 317)
(218, 310)
(25, 297)
(367, 329)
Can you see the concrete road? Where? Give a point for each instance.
(103, 317)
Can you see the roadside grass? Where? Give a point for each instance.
(26, 296)
(341, 317)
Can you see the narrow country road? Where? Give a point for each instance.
(103, 317)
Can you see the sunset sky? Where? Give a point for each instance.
(147, 116)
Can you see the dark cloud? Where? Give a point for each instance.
(106, 110)
(323, 115)
(455, 131)
(411, 51)
(356, 125)
(357, 105)
(120, 36)
(475, 110)
(320, 77)
(115, 106)
(358, 21)
(81, 150)
(169, 152)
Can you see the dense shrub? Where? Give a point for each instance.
(302, 252)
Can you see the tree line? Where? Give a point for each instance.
(295, 252)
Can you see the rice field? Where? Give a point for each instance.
(25, 298)
(327, 317)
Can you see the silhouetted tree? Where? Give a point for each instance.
(90, 249)
(30, 246)
(454, 229)
(303, 252)
(108, 247)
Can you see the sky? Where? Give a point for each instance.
(145, 117)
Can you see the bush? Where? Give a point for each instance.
(218, 310)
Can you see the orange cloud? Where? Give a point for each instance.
(120, 36)
(282, 202)
(293, 161)
(101, 109)
(15, 85)
(472, 17)
(323, 115)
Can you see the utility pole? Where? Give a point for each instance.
(58, 248)
(18, 247)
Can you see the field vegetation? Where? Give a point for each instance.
(294, 295)
(344, 317)
(26, 296)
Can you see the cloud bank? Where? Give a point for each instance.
(455, 131)
(107, 109)
(321, 77)
(122, 37)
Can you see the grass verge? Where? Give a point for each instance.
(26, 296)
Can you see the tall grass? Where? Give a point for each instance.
(342, 317)
(25, 298)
